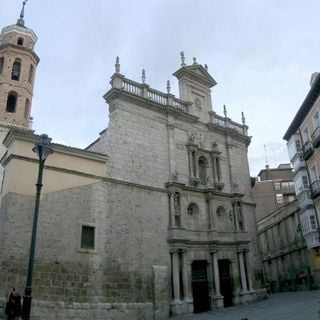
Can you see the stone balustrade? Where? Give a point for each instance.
(169, 100)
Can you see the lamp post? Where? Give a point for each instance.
(43, 150)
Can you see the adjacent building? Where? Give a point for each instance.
(303, 140)
(284, 253)
(154, 218)
(272, 189)
(283, 249)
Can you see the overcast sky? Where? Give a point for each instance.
(261, 52)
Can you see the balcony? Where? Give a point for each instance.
(315, 189)
(316, 137)
(304, 198)
(312, 239)
(307, 150)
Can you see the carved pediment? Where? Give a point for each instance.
(196, 72)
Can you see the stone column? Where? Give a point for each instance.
(189, 162)
(209, 214)
(175, 276)
(185, 279)
(217, 298)
(247, 260)
(213, 160)
(242, 272)
(172, 213)
(212, 214)
(216, 273)
(235, 216)
(171, 142)
(196, 166)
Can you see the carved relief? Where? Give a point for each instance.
(201, 139)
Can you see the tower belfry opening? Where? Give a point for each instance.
(18, 63)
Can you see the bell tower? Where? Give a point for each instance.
(18, 63)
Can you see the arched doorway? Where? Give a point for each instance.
(200, 291)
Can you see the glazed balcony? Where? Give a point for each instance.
(312, 239)
(304, 198)
(316, 137)
(307, 150)
(315, 189)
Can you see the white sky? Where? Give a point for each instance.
(261, 53)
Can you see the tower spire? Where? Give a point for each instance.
(20, 21)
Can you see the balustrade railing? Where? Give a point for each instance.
(166, 99)
(132, 87)
(153, 95)
(157, 96)
(227, 122)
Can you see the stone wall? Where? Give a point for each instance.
(131, 230)
(136, 143)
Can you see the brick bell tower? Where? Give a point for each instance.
(18, 63)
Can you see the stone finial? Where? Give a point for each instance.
(20, 21)
(143, 76)
(168, 86)
(225, 110)
(243, 118)
(117, 65)
(194, 60)
(206, 66)
(182, 59)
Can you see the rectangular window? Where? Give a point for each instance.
(279, 197)
(305, 182)
(277, 185)
(87, 237)
(313, 222)
(298, 145)
(316, 120)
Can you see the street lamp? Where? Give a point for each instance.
(43, 150)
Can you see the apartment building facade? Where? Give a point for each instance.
(303, 141)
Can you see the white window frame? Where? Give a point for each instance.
(279, 197)
(316, 120)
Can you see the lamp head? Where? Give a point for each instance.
(43, 147)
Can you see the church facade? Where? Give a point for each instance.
(154, 218)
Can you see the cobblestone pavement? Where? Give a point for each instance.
(302, 305)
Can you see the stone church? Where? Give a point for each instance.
(154, 218)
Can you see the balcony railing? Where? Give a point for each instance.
(307, 150)
(315, 189)
(316, 137)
